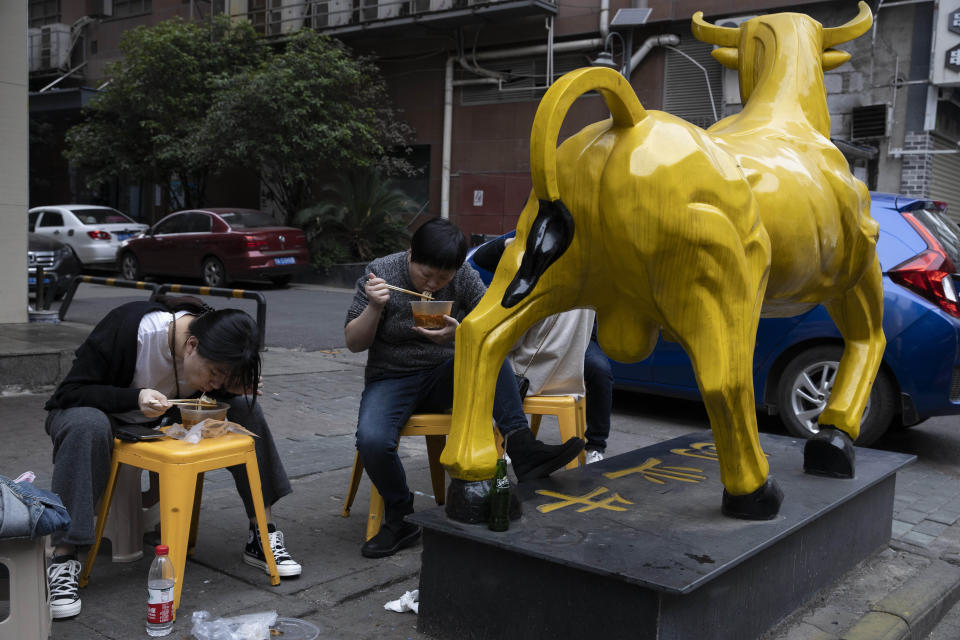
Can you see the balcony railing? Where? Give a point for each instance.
(282, 17)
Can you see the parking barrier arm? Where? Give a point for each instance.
(223, 293)
(110, 282)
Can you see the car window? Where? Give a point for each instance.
(51, 219)
(198, 222)
(247, 219)
(32, 220)
(943, 229)
(101, 216)
(173, 224)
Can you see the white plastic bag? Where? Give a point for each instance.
(252, 626)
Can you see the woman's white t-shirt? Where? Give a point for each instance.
(154, 367)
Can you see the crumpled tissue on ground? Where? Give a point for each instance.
(208, 428)
(407, 602)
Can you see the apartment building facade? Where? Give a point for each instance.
(467, 76)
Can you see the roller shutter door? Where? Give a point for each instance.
(945, 181)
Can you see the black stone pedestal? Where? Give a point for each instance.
(635, 547)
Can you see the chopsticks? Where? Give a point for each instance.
(426, 296)
(192, 402)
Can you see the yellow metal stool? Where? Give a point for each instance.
(180, 466)
(571, 418)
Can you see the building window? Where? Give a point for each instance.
(43, 12)
(124, 8)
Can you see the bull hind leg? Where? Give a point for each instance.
(858, 315)
(716, 322)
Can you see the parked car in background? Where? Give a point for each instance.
(58, 262)
(217, 246)
(795, 359)
(94, 233)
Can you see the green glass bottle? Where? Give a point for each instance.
(500, 498)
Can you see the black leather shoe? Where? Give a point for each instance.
(533, 459)
(391, 538)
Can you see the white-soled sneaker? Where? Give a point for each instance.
(594, 456)
(253, 555)
(62, 577)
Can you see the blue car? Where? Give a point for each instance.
(796, 359)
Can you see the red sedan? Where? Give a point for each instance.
(218, 246)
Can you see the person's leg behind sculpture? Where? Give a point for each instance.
(598, 379)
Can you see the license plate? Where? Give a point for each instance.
(31, 280)
(287, 260)
(123, 236)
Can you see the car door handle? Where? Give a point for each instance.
(57, 232)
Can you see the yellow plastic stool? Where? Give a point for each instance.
(571, 418)
(180, 466)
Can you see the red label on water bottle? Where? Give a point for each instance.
(159, 605)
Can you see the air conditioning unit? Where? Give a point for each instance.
(33, 48)
(330, 13)
(422, 6)
(54, 46)
(284, 16)
(391, 8)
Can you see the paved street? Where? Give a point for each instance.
(311, 398)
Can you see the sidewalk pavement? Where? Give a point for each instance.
(311, 400)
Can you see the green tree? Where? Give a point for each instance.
(358, 218)
(144, 125)
(310, 110)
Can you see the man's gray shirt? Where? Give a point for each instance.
(397, 349)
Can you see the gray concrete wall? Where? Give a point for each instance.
(13, 162)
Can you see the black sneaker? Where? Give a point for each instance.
(392, 537)
(253, 553)
(62, 577)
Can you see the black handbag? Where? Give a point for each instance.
(523, 384)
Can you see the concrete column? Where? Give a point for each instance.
(13, 162)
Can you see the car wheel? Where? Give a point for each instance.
(281, 281)
(130, 267)
(805, 386)
(212, 273)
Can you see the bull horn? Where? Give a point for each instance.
(712, 34)
(832, 36)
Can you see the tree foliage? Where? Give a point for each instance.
(188, 100)
(311, 109)
(357, 219)
(143, 124)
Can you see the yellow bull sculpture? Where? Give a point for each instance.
(662, 226)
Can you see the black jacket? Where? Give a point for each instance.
(104, 365)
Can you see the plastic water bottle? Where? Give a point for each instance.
(160, 583)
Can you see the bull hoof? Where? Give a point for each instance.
(762, 504)
(468, 502)
(830, 453)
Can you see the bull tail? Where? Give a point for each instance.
(617, 93)
(552, 230)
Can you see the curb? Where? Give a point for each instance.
(912, 611)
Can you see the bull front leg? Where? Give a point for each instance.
(858, 315)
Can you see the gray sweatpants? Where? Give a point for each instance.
(83, 444)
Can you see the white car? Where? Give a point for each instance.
(93, 232)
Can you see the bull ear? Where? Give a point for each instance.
(727, 56)
(833, 58)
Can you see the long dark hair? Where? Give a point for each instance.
(230, 337)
